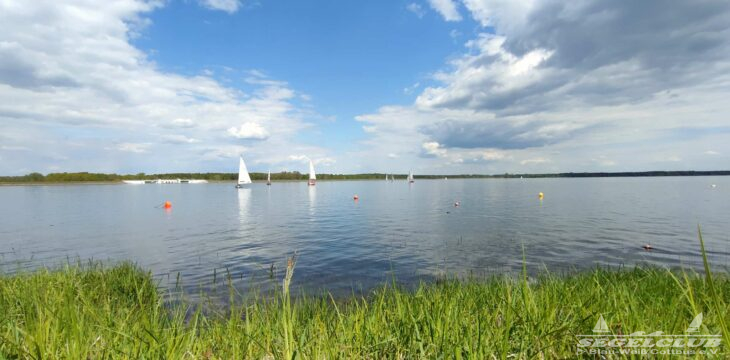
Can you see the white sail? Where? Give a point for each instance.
(601, 326)
(243, 177)
(268, 178)
(410, 176)
(696, 323)
(312, 175)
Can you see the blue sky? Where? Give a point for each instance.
(350, 58)
(437, 86)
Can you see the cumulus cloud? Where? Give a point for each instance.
(579, 80)
(432, 149)
(447, 9)
(500, 134)
(553, 54)
(53, 95)
(249, 130)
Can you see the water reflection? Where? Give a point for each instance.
(312, 192)
(418, 230)
(244, 204)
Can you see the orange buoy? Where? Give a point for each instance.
(355, 197)
(168, 205)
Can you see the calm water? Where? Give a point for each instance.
(412, 231)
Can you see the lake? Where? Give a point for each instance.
(409, 232)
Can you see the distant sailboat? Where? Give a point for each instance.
(243, 177)
(410, 177)
(312, 175)
(268, 178)
(386, 177)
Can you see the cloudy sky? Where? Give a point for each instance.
(437, 86)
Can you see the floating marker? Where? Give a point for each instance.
(355, 197)
(541, 195)
(648, 247)
(168, 205)
(456, 204)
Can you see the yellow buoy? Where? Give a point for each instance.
(541, 195)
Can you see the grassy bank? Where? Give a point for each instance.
(117, 312)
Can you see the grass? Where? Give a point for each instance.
(97, 312)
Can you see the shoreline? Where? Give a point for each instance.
(430, 178)
(118, 312)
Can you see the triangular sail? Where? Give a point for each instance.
(268, 178)
(312, 175)
(696, 323)
(410, 176)
(601, 326)
(243, 176)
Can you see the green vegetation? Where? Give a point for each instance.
(93, 312)
(295, 175)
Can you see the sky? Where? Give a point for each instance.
(432, 86)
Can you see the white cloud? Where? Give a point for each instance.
(229, 6)
(492, 155)
(249, 130)
(53, 95)
(569, 81)
(138, 148)
(179, 139)
(298, 158)
(433, 148)
(416, 9)
(409, 90)
(534, 161)
(447, 9)
(182, 123)
(711, 152)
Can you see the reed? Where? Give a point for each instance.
(91, 311)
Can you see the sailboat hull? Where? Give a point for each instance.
(312, 183)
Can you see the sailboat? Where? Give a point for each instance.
(410, 177)
(312, 175)
(268, 178)
(243, 177)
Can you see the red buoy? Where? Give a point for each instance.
(168, 205)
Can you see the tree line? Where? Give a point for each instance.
(296, 175)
